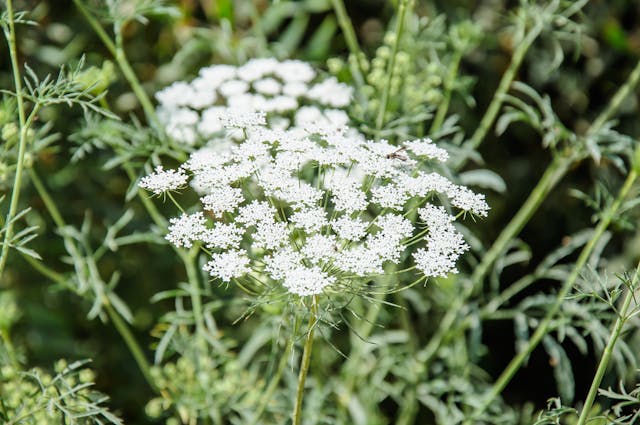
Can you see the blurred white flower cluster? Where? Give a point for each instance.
(311, 210)
(289, 92)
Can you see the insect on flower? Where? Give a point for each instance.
(397, 155)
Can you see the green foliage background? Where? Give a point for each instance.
(53, 323)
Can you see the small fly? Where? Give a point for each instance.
(397, 154)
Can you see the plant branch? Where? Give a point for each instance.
(306, 360)
(544, 325)
(22, 145)
(505, 82)
(402, 11)
(608, 350)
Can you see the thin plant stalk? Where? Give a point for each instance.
(189, 259)
(117, 51)
(22, 144)
(443, 107)
(544, 325)
(402, 12)
(352, 41)
(120, 325)
(608, 350)
(505, 82)
(305, 362)
(273, 384)
(554, 173)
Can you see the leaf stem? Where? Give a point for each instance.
(117, 51)
(352, 42)
(306, 360)
(505, 82)
(273, 384)
(22, 145)
(120, 325)
(608, 350)
(402, 11)
(544, 325)
(443, 107)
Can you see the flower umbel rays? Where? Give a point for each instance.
(309, 212)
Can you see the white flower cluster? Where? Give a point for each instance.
(289, 92)
(314, 212)
(161, 180)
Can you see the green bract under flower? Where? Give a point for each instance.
(315, 211)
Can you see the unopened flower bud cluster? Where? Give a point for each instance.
(313, 212)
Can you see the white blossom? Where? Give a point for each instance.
(222, 199)
(227, 265)
(426, 148)
(186, 229)
(162, 180)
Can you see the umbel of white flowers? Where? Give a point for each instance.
(289, 92)
(315, 212)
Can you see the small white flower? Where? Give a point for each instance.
(267, 86)
(186, 229)
(270, 235)
(310, 219)
(444, 244)
(222, 199)
(348, 197)
(426, 148)
(295, 71)
(233, 87)
(331, 93)
(257, 68)
(217, 74)
(161, 180)
(222, 236)
(227, 265)
(467, 200)
(256, 212)
(306, 281)
(242, 119)
(319, 248)
(281, 261)
(294, 89)
(349, 229)
(389, 196)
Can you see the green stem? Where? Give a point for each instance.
(189, 259)
(507, 78)
(553, 174)
(608, 350)
(17, 183)
(306, 360)
(544, 325)
(118, 322)
(117, 50)
(402, 11)
(51, 206)
(616, 100)
(352, 42)
(120, 325)
(273, 384)
(443, 107)
(11, 352)
(555, 171)
(132, 343)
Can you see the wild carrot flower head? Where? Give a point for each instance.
(310, 212)
(289, 92)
